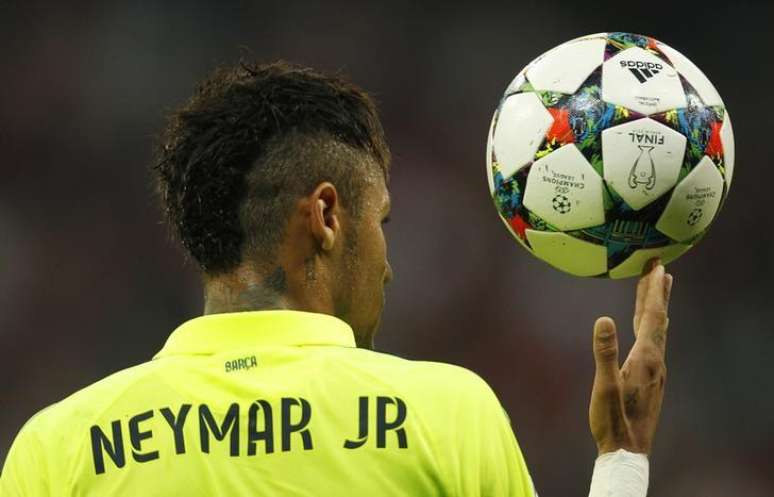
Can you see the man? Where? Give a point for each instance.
(274, 178)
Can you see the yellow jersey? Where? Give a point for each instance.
(271, 403)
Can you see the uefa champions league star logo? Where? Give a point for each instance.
(695, 216)
(644, 170)
(561, 204)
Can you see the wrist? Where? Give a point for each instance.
(629, 444)
(601, 451)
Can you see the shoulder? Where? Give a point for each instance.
(441, 381)
(48, 442)
(86, 405)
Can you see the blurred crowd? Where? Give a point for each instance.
(90, 282)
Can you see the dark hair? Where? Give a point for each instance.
(252, 140)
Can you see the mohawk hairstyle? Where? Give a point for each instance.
(251, 141)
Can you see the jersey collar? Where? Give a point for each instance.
(215, 333)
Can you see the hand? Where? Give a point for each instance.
(626, 401)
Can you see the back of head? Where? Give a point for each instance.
(251, 140)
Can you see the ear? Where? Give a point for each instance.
(324, 218)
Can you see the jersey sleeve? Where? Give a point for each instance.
(490, 462)
(24, 473)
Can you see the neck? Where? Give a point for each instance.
(244, 290)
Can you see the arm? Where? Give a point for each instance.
(624, 411)
(626, 401)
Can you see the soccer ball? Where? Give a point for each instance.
(607, 151)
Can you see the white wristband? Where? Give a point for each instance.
(620, 474)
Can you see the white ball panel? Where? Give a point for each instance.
(693, 75)
(727, 139)
(514, 85)
(642, 160)
(588, 37)
(638, 80)
(521, 127)
(565, 190)
(634, 264)
(490, 178)
(568, 66)
(694, 202)
(568, 253)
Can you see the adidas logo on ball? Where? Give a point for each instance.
(643, 71)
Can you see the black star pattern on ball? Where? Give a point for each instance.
(561, 204)
(695, 216)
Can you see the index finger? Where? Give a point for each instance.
(642, 289)
(654, 319)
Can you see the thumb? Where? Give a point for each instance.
(606, 349)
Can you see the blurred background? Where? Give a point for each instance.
(90, 282)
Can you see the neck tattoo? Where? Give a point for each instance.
(264, 295)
